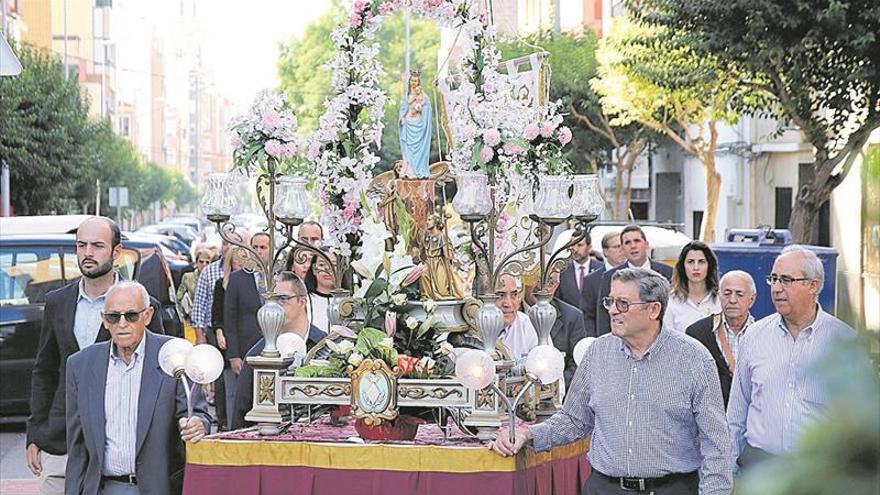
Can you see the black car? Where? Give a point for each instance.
(33, 265)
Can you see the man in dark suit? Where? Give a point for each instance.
(71, 321)
(613, 254)
(127, 419)
(572, 278)
(242, 301)
(721, 333)
(635, 248)
(293, 298)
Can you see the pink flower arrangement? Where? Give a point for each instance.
(354, 21)
(486, 154)
(274, 148)
(564, 135)
(491, 137)
(531, 131)
(513, 149)
(547, 129)
(386, 8)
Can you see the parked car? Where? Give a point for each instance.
(190, 221)
(183, 232)
(33, 265)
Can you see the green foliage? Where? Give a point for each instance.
(817, 63)
(56, 154)
(43, 134)
(839, 454)
(306, 82)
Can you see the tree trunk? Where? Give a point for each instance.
(713, 193)
(713, 185)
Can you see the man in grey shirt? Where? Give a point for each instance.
(649, 398)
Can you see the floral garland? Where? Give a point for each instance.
(266, 136)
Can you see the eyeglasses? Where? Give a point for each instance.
(130, 316)
(785, 280)
(621, 304)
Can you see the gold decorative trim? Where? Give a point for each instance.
(332, 390)
(485, 398)
(266, 390)
(417, 393)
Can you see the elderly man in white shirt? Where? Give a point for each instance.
(519, 336)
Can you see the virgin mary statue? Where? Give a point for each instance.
(415, 127)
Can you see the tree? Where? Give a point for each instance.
(813, 63)
(307, 84)
(43, 129)
(645, 76)
(572, 63)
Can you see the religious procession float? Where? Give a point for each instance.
(414, 323)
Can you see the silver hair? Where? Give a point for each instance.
(743, 275)
(811, 265)
(129, 284)
(653, 287)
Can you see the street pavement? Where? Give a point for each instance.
(15, 478)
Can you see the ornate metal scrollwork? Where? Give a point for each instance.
(421, 392)
(332, 390)
(266, 389)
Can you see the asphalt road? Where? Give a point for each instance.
(15, 478)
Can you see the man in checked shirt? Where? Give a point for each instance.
(650, 399)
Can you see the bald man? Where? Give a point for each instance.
(71, 321)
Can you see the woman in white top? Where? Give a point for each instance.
(694, 287)
(320, 296)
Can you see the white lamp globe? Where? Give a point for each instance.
(172, 355)
(204, 364)
(289, 344)
(546, 363)
(581, 348)
(475, 369)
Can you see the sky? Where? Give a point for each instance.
(240, 41)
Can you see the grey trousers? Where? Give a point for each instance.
(117, 488)
(600, 485)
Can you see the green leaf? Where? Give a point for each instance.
(377, 287)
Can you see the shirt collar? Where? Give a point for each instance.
(820, 316)
(82, 293)
(749, 320)
(652, 349)
(138, 352)
(646, 266)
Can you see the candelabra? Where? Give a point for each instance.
(558, 199)
(285, 204)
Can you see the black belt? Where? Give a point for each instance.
(128, 479)
(647, 484)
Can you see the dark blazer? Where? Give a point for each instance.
(603, 320)
(567, 331)
(704, 331)
(591, 297)
(161, 403)
(240, 306)
(244, 388)
(568, 286)
(45, 425)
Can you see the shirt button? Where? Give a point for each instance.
(633, 396)
(630, 451)
(630, 423)
(634, 370)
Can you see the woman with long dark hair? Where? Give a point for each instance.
(694, 287)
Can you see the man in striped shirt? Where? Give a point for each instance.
(204, 298)
(776, 391)
(648, 397)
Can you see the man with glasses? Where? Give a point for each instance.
(126, 419)
(721, 333)
(776, 391)
(648, 398)
(71, 321)
(292, 297)
(635, 248)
